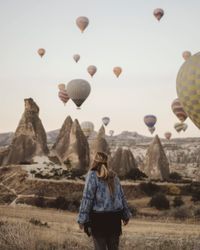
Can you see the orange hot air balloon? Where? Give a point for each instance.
(117, 71)
(82, 23)
(158, 13)
(92, 70)
(41, 52)
(186, 54)
(168, 135)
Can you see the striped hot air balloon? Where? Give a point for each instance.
(62, 94)
(150, 120)
(178, 110)
(92, 70)
(158, 13)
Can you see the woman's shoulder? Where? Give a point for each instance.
(91, 174)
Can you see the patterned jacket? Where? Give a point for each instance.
(97, 197)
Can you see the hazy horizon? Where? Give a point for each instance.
(120, 33)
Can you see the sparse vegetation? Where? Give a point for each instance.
(135, 174)
(177, 202)
(37, 222)
(173, 190)
(174, 176)
(182, 212)
(159, 201)
(149, 188)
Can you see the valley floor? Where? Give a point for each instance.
(62, 232)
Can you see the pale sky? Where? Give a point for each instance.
(121, 32)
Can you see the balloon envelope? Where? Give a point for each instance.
(178, 110)
(92, 70)
(188, 88)
(117, 71)
(158, 13)
(186, 54)
(82, 22)
(150, 120)
(87, 127)
(168, 135)
(105, 120)
(76, 57)
(111, 132)
(179, 126)
(78, 90)
(62, 94)
(41, 52)
(61, 86)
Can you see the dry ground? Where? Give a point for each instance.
(63, 232)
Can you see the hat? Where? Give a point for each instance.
(101, 157)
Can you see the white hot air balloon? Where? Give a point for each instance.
(76, 57)
(87, 127)
(78, 90)
(105, 120)
(111, 132)
(82, 23)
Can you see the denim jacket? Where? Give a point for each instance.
(97, 197)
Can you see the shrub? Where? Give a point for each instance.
(159, 201)
(149, 188)
(135, 174)
(196, 196)
(174, 176)
(182, 213)
(38, 223)
(197, 212)
(177, 202)
(174, 190)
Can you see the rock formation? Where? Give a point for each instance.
(123, 162)
(156, 165)
(72, 147)
(100, 143)
(30, 137)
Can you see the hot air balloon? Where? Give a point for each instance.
(87, 127)
(185, 126)
(186, 54)
(92, 70)
(117, 71)
(178, 110)
(150, 120)
(111, 132)
(76, 57)
(179, 126)
(168, 135)
(105, 120)
(61, 86)
(188, 88)
(41, 52)
(78, 90)
(82, 22)
(62, 94)
(151, 129)
(158, 13)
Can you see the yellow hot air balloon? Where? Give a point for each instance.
(188, 88)
(158, 13)
(92, 70)
(82, 22)
(41, 52)
(76, 57)
(186, 55)
(61, 86)
(78, 90)
(117, 71)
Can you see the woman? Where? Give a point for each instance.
(103, 205)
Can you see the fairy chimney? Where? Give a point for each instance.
(30, 137)
(156, 165)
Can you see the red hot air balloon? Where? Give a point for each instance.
(178, 110)
(158, 13)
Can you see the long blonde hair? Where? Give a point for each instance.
(100, 165)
